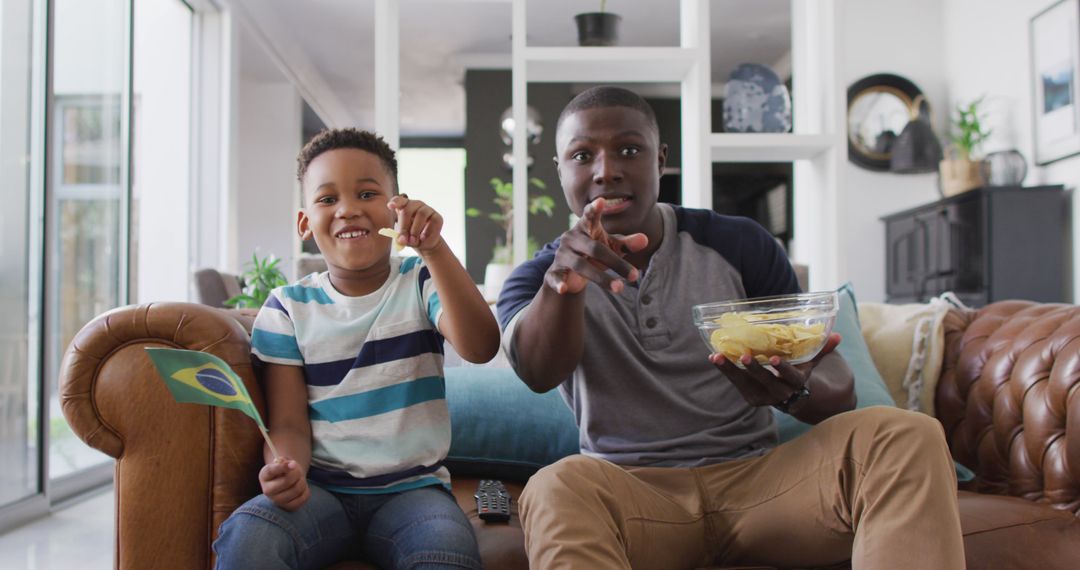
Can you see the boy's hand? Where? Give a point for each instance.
(759, 386)
(420, 225)
(587, 251)
(284, 483)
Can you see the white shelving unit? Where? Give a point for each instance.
(817, 146)
(766, 147)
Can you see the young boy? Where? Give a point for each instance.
(680, 467)
(354, 379)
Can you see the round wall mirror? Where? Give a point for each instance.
(879, 107)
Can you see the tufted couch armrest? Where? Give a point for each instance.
(180, 469)
(1009, 399)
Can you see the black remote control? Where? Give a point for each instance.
(492, 501)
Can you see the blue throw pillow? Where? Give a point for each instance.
(870, 388)
(500, 428)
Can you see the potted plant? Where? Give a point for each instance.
(502, 257)
(261, 277)
(598, 28)
(961, 172)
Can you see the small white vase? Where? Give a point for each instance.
(495, 275)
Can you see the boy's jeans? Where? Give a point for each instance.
(418, 529)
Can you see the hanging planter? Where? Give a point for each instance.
(598, 28)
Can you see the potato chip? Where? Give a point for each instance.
(393, 235)
(741, 333)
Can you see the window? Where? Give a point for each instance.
(18, 391)
(86, 208)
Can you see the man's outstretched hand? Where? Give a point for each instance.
(760, 386)
(587, 251)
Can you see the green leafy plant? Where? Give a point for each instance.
(261, 277)
(968, 134)
(504, 216)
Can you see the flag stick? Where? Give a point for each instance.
(266, 436)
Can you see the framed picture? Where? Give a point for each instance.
(1055, 51)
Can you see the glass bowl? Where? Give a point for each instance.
(793, 327)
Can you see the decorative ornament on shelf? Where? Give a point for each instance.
(534, 129)
(917, 149)
(962, 172)
(502, 257)
(598, 28)
(1004, 168)
(756, 101)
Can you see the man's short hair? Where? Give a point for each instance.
(333, 139)
(608, 96)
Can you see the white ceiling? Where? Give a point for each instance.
(439, 39)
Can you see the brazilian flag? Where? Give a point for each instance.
(200, 378)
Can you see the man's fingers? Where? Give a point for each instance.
(599, 252)
(789, 375)
(582, 265)
(632, 243)
(591, 216)
(751, 389)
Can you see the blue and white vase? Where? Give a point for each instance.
(756, 101)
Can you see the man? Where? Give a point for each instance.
(679, 465)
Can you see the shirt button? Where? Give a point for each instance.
(651, 322)
(645, 300)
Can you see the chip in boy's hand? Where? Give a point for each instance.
(393, 235)
(793, 328)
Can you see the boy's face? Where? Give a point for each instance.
(345, 195)
(611, 152)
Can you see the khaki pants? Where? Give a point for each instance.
(876, 486)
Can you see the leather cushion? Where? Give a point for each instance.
(1008, 532)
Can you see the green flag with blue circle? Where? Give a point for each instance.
(201, 378)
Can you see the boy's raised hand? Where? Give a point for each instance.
(418, 224)
(284, 483)
(587, 251)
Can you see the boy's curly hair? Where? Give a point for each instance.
(331, 139)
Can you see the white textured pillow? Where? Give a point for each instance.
(907, 344)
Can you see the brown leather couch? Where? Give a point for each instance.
(1008, 398)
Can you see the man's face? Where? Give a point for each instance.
(614, 153)
(345, 196)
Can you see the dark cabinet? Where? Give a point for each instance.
(985, 245)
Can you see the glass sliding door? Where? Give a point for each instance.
(19, 392)
(87, 198)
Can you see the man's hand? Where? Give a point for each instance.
(418, 224)
(586, 252)
(284, 483)
(760, 386)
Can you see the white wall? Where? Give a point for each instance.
(267, 195)
(993, 57)
(162, 150)
(906, 39)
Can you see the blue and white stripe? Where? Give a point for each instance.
(373, 368)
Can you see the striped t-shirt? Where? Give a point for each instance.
(374, 371)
